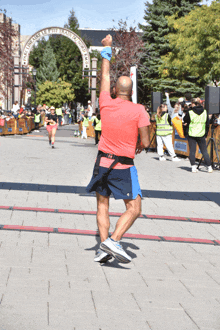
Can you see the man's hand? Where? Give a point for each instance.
(139, 148)
(107, 41)
(105, 75)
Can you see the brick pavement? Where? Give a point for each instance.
(49, 280)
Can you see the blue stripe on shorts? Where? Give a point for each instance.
(136, 190)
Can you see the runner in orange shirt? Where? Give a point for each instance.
(114, 172)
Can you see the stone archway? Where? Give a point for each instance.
(25, 53)
(56, 30)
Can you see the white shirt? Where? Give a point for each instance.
(90, 110)
(15, 108)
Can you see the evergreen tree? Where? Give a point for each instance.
(69, 60)
(36, 54)
(48, 69)
(156, 45)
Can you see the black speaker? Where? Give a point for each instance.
(212, 99)
(156, 100)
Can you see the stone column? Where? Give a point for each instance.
(17, 65)
(93, 87)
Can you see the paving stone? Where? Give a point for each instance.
(50, 281)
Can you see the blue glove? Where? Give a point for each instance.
(107, 53)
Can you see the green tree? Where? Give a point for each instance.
(195, 45)
(48, 69)
(69, 60)
(36, 55)
(157, 45)
(55, 93)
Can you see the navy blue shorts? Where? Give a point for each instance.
(123, 184)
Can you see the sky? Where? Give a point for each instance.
(33, 15)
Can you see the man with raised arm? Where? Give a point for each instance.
(114, 171)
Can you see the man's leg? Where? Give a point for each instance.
(112, 245)
(133, 210)
(103, 216)
(103, 225)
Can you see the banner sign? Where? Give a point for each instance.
(133, 76)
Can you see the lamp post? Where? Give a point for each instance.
(34, 72)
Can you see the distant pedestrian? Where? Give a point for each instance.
(51, 120)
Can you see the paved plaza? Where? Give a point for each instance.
(48, 239)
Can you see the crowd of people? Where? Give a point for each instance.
(64, 116)
(195, 123)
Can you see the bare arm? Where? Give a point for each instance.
(105, 69)
(144, 139)
(105, 76)
(170, 109)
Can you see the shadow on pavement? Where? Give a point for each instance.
(80, 190)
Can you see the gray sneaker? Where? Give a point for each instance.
(115, 249)
(102, 256)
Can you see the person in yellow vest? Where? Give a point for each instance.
(37, 120)
(164, 130)
(59, 114)
(85, 124)
(197, 121)
(98, 128)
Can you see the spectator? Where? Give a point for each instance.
(173, 112)
(197, 121)
(164, 132)
(59, 114)
(85, 124)
(98, 128)
(15, 108)
(21, 109)
(37, 120)
(90, 110)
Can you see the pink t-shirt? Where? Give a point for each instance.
(120, 122)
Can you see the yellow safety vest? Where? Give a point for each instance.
(98, 125)
(85, 122)
(197, 124)
(163, 126)
(37, 118)
(59, 112)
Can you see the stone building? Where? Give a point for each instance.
(15, 49)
